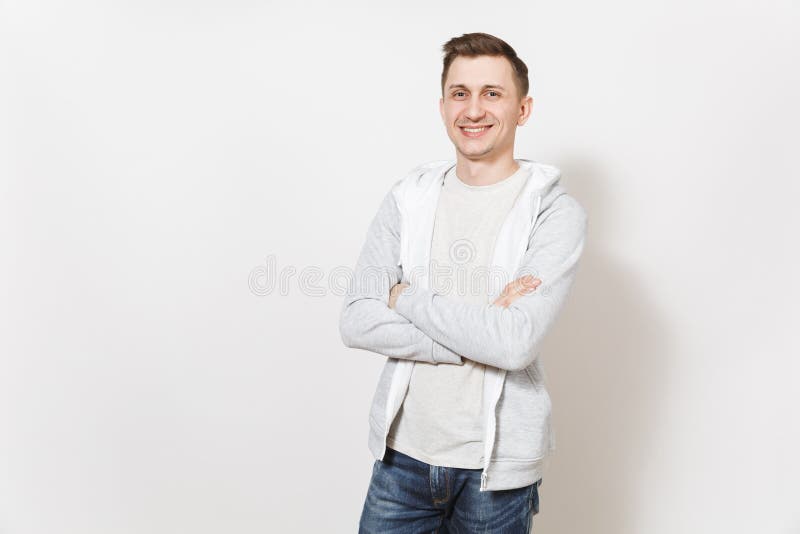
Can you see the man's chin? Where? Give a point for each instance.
(474, 152)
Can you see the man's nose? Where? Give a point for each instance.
(475, 109)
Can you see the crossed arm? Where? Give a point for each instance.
(423, 325)
(366, 320)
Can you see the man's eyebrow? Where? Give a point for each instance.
(462, 86)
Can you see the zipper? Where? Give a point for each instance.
(523, 240)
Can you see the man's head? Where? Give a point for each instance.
(484, 85)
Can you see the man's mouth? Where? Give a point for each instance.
(474, 131)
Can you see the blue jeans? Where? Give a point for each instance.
(408, 496)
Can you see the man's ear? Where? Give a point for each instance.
(525, 110)
(441, 108)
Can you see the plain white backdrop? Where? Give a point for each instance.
(158, 157)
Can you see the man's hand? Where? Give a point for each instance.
(396, 289)
(515, 289)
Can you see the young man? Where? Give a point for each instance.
(465, 268)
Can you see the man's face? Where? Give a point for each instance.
(479, 92)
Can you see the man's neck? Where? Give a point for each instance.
(485, 172)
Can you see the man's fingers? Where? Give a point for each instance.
(524, 285)
(512, 287)
(528, 287)
(517, 288)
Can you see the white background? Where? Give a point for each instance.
(155, 154)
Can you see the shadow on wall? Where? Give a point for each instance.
(608, 368)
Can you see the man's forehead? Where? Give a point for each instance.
(479, 71)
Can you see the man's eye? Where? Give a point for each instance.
(459, 93)
(495, 93)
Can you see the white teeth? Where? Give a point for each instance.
(475, 130)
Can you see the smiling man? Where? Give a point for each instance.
(465, 268)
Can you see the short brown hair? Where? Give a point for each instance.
(483, 44)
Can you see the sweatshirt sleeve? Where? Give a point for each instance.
(366, 320)
(509, 338)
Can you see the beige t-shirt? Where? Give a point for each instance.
(440, 421)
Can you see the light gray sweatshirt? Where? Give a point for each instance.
(543, 235)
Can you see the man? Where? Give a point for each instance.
(465, 268)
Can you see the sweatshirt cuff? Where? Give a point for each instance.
(411, 302)
(442, 354)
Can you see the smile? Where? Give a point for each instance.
(474, 132)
